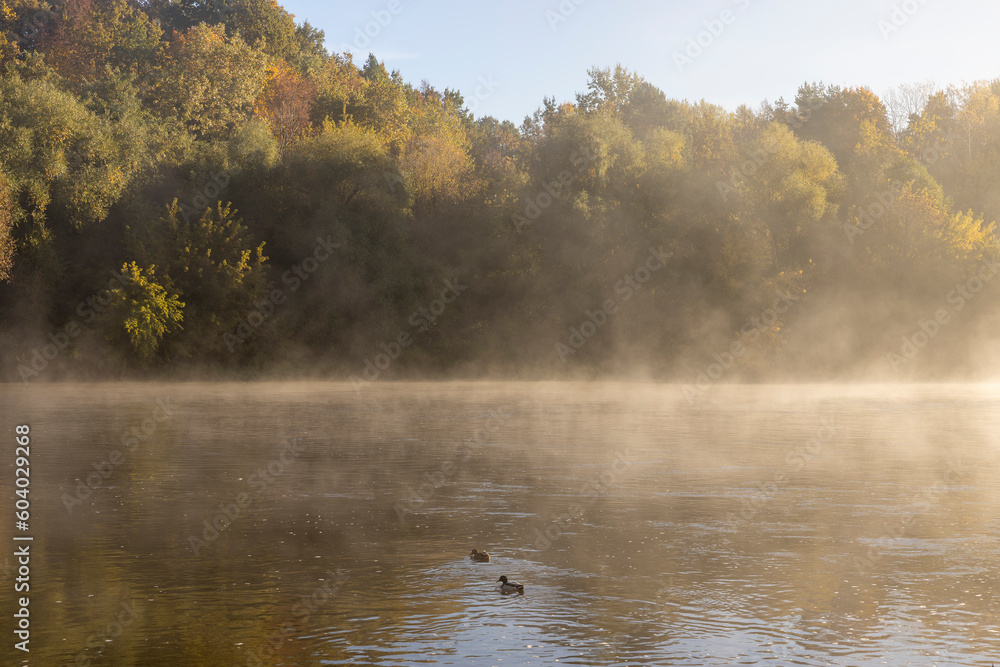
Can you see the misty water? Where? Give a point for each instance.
(779, 525)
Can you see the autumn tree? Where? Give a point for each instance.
(787, 191)
(309, 54)
(142, 311)
(381, 104)
(930, 135)
(88, 37)
(339, 84)
(641, 105)
(356, 180)
(435, 160)
(916, 229)
(214, 266)
(607, 89)
(59, 154)
(496, 151)
(263, 24)
(964, 152)
(7, 246)
(838, 118)
(286, 104)
(710, 129)
(209, 82)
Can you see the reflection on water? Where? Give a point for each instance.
(307, 524)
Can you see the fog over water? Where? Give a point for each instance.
(814, 525)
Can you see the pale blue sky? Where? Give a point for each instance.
(765, 51)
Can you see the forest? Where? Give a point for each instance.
(201, 189)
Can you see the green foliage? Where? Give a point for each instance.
(260, 23)
(58, 153)
(788, 191)
(310, 55)
(609, 90)
(380, 104)
(88, 38)
(252, 147)
(350, 165)
(209, 82)
(370, 193)
(338, 83)
(841, 119)
(265, 24)
(435, 160)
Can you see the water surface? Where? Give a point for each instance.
(756, 525)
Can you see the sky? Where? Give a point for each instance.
(505, 57)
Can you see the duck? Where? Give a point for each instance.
(510, 586)
(479, 556)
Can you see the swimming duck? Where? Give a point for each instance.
(510, 586)
(479, 556)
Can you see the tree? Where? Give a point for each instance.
(495, 149)
(836, 117)
(436, 160)
(7, 246)
(338, 85)
(143, 311)
(710, 132)
(661, 188)
(608, 89)
(178, 16)
(436, 168)
(346, 168)
(912, 231)
(641, 105)
(59, 154)
(961, 146)
(214, 266)
(209, 82)
(930, 132)
(309, 55)
(286, 104)
(263, 24)
(89, 37)
(381, 104)
(788, 193)
(904, 102)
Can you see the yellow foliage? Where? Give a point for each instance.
(436, 168)
(148, 311)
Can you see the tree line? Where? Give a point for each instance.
(192, 188)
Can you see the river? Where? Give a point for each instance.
(320, 524)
